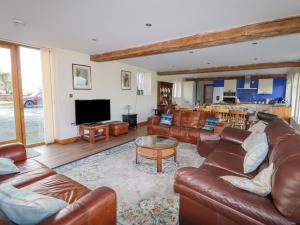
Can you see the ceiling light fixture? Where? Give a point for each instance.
(148, 25)
(19, 22)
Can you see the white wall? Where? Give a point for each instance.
(106, 84)
(188, 92)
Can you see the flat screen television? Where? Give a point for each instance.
(92, 111)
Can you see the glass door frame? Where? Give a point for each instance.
(17, 94)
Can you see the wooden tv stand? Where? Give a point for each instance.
(94, 132)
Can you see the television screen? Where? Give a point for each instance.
(92, 111)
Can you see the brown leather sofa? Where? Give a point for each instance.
(206, 199)
(85, 207)
(186, 125)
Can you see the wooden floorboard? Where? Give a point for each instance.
(54, 155)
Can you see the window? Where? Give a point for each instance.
(143, 83)
(23, 120)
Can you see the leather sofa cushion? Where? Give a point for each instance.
(30, 171)
(194, 133)
(178, 132)
(234, 135)
(190, 119)
(161, 130)
(176, 118)
(228, 161)
(278, 130)
(205, 186)
(59, 186)
(230, 147)
(286, 177)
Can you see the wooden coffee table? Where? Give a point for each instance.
(156, 148)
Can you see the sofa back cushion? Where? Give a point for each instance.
(286, 177)
(189, 119)
(176, 118)
(278, 130)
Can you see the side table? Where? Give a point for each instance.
(131, 119)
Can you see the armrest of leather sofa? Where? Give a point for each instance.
(219, 127)
(15, 151)
(153, 120)
(234, 135)
(207, 143)
(97, 207)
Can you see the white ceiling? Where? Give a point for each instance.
(276, 49)
(71, 24)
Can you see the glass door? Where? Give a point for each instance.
(10, 116)
(32, 88)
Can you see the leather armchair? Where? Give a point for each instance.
(86, 207)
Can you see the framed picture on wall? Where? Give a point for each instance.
(81, 77)
(125, 80)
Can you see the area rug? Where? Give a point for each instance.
(143, 196)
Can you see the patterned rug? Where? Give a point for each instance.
(144, 196)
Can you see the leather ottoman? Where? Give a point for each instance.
(117, 128)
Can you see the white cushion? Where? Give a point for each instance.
(260, 126)
(26, 207)
(256, 146)
(260, 184)
(7, 166)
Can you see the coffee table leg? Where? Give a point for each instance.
(159, 161)
(175, 154)
(136, 155)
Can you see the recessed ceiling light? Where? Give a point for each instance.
(254, 43)
(148, 24)
(94, 39)
(19, 22)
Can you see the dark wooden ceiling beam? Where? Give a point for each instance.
(284, 26)
(258, 76)
(257, 66)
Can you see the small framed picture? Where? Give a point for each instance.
(81, 77)
(125, 80)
